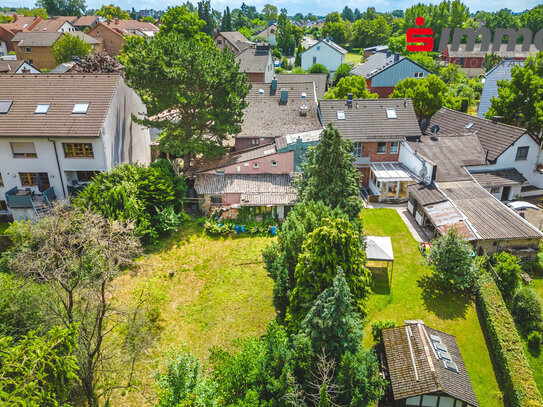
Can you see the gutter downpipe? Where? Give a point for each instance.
(58, 166)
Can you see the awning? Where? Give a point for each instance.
(521, 205)
(379, 248)
(391, 172)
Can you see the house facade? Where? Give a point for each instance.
(14, 66)
(112, 33)
(60, 130)
(270, 33)
(324, 52)
(383, 70)
(232, 40)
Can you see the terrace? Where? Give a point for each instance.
(20, 200)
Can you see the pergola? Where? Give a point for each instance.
(379, 251)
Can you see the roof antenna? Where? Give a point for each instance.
(405, 103)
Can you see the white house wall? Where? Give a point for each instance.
(413, 162)
(3, 48)
(124, 140)
(325, 54)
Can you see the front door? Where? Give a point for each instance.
(505, 193)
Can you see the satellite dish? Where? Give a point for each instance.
(435, 129)
(423, 172)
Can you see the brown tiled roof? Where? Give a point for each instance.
(451, 153)
(9, 66)
(506, 177)
(62, 92)
(410, 354)
(255, 189)
(50, 25)
(237, 39)
(490, 218)
(426, 194)
(46, 39)
(320, 80)
(128, 25)
(266, 117)
(85, 21)
(22, 23)
(367, 119)
(495, 137)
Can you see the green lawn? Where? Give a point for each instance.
(353, 58)
(536, 360)
(408, 300)
(220, 292)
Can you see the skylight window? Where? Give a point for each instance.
(42, 109)
(5, 105)
(469, 125)
(391, 114)
(340, 115)
(81, 108)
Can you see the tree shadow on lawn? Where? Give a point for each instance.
(449, 304)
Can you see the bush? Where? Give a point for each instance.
(507, 346)
(276, 53)
(377, 331)
(526, 309)
(343, 71)
(508, 270)
(534, 340)
(317, 68)
(284, 63)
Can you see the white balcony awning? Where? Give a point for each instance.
(390, 172)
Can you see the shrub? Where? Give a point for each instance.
(276, 54)
(534, 340)
(284, 63)
(317, 68)
(507, 346)
(377, 330)
(526, 309)
(343, 71)
(508, 270)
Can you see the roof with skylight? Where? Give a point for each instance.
(81, 108)
(5, 106)
(42, 108)
(391, 114)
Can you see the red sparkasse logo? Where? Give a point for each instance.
(414, 36)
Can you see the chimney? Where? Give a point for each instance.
(497, 119)
(284, 96)
(15, 17)
(396, 57)
(116, 21)
(349, 100)
(274, 84)
(389, 53)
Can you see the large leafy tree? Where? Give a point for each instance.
(63, 7)
(520, 100)
(68, 46)
(507, 268)
(347, 14)
(428, 94)
(285, 34)
(226, 20)
(338, 31)
(181, 20)
(330, 175)
(533, 19)
(270, 12)
(205, 13)
(36, 370)
(194, 93)
(350, 84)
(367, 33)
(111, 12)
(335, 245)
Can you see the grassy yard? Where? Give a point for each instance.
(408, 299)
(536, 360)
(353, 58)
(220, 292)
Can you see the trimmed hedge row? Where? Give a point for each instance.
(507, 346)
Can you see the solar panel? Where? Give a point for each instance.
(451, 366)
(5, 106)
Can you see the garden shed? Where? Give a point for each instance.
(380, 256)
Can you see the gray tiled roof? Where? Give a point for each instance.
(367, 119)
(253, 60)
(266, 117)
(320, 79)
(237, 39)
(494, 137)
(433, 376)
(490, 90)
(375, 64)
(426, 194)
(505, 177)
(62, 92)
(43, 39)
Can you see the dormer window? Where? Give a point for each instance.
(81, 108)
(42, 109)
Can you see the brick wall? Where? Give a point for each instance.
(383, 91)
(42, 57)
(370, 150)
(111, 41)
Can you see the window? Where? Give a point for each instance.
(42, 109)
(522, 153)
(255, 142)
(340, 115)
(216, 199)
(381, 148)
(81, 108)
(3, 206)
(1, 181)
(318, 47)
(219, 42)
(357, 149)
(272, 31)
(394, 147)
(31, 61)
(469, 125)
(446, 401)
(419, 74)
(274, 163)
(23, 150)
(391, 114)
(255, 165)
(314, 60)
(86, 176)
(5, 106)
(495, 190)
(78, 150)
(30, 179)
(413, 401)
(429, 400)
(27, 50)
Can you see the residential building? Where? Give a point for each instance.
(14, 66)
(35, 47)
(319, 79)
(324, 52)
(472, 61)
(57, 25)
(383, 70)
(270, 33)
(501, 72)
(425, 368)
(372, 50)
(376, 127)
(87, 22)
(257, 63)
(8, 31)
(59, 130)
(276, 109)
(267, 193)
(112, 33)
(232, 40)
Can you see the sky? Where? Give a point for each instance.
(317, 7)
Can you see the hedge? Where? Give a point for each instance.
(507, 346)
